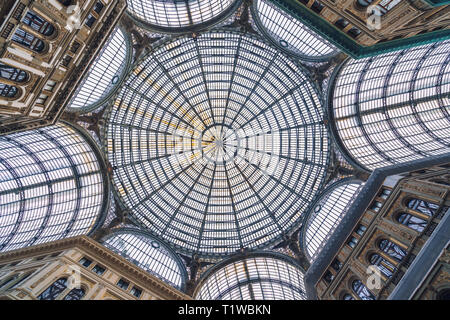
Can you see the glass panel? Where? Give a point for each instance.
(422, 206)
(260, 278)
(75, 294)
(8, 91)
(361, 290)
(390, 108)
(100, 78)
(412, 222)
(13, 74)
(175, 13)
(392, 249)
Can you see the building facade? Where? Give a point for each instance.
(74, 269)
(225, 149)
(392, 233)
(45, 47)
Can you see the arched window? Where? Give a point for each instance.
(25, 277)
(361, 290)
(422, 206)
(75, 294)
(38, 23)
(8, 91)
(13, 74)
(383, 265)
(28, 40)
(443, 294)
(52, 292)
(65, 2)
(411, 221)
(392, 249)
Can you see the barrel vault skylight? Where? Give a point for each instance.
(394, 108)
(217, 143)
(173, 15)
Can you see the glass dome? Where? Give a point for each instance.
(51, 186)
(149, 254)
(290, 34)
(326, 214)
(180, 16)
(103, 74)
(217, 143)
(393, 108)
(259, 276)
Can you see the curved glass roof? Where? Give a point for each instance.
(176, 14)
(103, 74)
(326, 215)
(267, 276)
(51, 186)
(217, 143)
(149, 254)
(291, 34)
(394, 108)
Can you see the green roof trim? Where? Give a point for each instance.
(437, 3)
(348, 44)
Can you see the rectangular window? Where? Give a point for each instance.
(336, 265)
(85, 262)
(123, 284)
(90, 20)
(136, 292)
(99, 270)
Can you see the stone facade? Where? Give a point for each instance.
(53, 43)
(382, 221)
